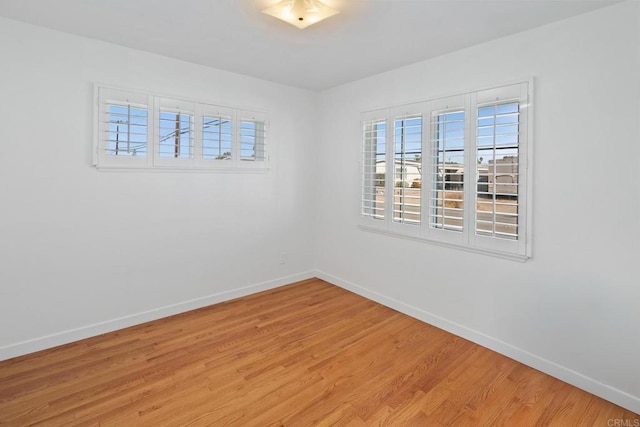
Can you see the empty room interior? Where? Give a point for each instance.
(232, 212)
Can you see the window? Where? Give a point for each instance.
(447, 168)
(217, 137)
(497, 152)
(407, 168)
(474, 151)
(252, 138)
(374, 169)
(126, 129)
(176, 134)
(138, 130)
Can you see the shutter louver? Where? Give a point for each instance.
(407, 169)
(252, 140)
(374, 169)
(447, 168)
(477, 163)
(176, 134)
(137, 130)
(126, 127)
(217, 137)
(497, 145)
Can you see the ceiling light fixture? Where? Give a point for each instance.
(300, 13)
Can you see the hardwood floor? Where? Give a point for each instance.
(304, 354)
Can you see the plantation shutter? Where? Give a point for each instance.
(143, 131)
(407, 169)
(447, 170)
(374, 168)
(175, 124)
(252, 138)
(217, 138)
(498, 151)
(474, 192)
(500, 157)
(123, 128)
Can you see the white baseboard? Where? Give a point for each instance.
(65, 337)
(567, 375)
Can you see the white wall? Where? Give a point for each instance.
(572, 310)
(82, 251)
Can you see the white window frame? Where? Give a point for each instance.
(368, 166)
(153, 161)
(521, 94)
(220, 112)
(251, 116)
(400, 113)
(171, 105)
(434, 107)
(467, 239)
(122, 97)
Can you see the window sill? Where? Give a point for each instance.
(495, 254)
(244, 170)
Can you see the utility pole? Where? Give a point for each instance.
(176, 145)
(117, 137)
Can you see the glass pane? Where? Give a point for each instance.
(374, 170)
(407, 169)
(252, 140)
(446, 203)
(497, 157)
(126, 130)
(216, 138)
(176, 135)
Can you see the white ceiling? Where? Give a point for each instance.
(366, 38)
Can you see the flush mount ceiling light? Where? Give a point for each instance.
(300, 13)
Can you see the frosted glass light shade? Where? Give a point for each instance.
(300, 13)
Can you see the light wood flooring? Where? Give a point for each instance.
(301, 355)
